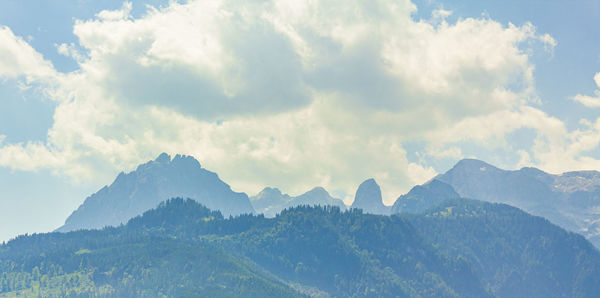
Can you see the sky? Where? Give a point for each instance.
(288, 93)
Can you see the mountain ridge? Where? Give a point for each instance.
(570, 200)
(271, 201)
(150, 183)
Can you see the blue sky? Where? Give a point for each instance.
(290, 94)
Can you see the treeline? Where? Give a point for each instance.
(461, 248)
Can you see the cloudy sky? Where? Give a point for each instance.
(288, 93)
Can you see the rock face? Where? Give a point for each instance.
(271, 201)
(570, 200)
(368, 198)
(423, 197)
(155, 181)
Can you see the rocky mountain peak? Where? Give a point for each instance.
(268, 191)
(368, 198)
(163, 158)
(151, 183)
(271, 201)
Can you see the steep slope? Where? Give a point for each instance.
(133, 193)
(570, 200)
(368, 198)
(271, 201)
(423, 197)
(514, 253)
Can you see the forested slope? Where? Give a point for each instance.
(463, 248)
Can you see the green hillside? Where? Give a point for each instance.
(514, 253)
(465, 249)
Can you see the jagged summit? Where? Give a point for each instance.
(163, 158)
(271, 201)
(368, 198)
(266, 192)
(157, 180)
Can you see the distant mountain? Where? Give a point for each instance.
(271, 201)
(155, 181)
(423, 197)
(461, 248)
(368, 198)
(570, 200)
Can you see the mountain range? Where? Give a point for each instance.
(570, 200)
(433, 241)
(182, 176)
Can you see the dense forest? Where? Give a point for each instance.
(460, 248)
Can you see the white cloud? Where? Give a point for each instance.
(30, 157)
(440, 14)
(590, 101)
(549, 42)
(524, 159)
(19, 59)
(569, 151)
(490, 130)
(120, 14)
(307, 92)
(419, 174)
(70, 50)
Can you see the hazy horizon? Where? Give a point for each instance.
(289, 94)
